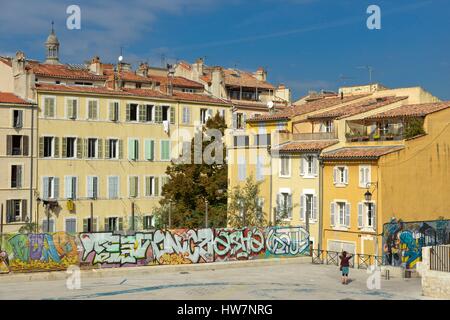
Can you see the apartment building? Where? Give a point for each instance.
(106, 135)
(17, 160)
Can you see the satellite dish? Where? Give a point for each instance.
(120, 58)
(270, 104)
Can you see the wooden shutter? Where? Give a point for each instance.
(332, 213)
(69, 109)
(24, 210)
(172, 115)
(302, 165)
(158, 114)
(106, 226)
(19, 176)
(25, 145)
(100, 148)
(131, 147)
(302, 207)
(314, 208)
(361, 176)
(346, 175)
(148, 181)
(107, 142)
(86, 148)
(279, 204)
(41, 147)
(234, 121)
(133, 190)
(128, 112)
(120, 149)
(64, 148)
(360, 214)
(45, 185)
(111, 112)
(374, 213)
(90, 187)
(335, 175)
(314, 165)
(367, 174)
(56, 187)
(85, 225)
(79, 148)
(9, 215)
(142, 113)
(156, 190)
(68, 187)
(56, 153)
(120, 224)
(347, 214)
(95, 187)
(9, 145)
(75, 108)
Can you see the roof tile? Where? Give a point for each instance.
(373, 152)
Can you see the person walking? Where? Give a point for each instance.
(345, 266)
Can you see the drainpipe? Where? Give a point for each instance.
(321, 165)
(31, 160)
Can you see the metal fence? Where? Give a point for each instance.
(440, 258)
(360, 261)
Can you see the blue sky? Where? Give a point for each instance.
(305, 44)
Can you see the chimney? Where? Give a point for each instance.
(124, 66)
(342, 95)
(143, 69)
(96, 66)
(261, 74)
(170, 75)
(24, 80)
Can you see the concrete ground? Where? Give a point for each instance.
(293, 280)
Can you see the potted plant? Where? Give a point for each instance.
(376, 136)
(365, 138)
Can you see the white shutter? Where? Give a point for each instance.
(45, 183)
(314, 165)
(90, 192)
(302, 166)
(289, 205)
(367, 177)
(55, 188)
(234, 121)
(346, 175)
(360, 214)
(314, 208)
(332, 213)
(335, 175)
(347, 214)
(279, 204)
(361, 176)
(302, 207)
(68, 187)
(374, 213)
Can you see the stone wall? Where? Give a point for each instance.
(435, 284)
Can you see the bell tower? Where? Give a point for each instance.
(52, 47)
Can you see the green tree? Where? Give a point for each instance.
(414, 127)
(191, 184)
(244, 207)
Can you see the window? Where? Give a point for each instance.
(17, 121)
(114, 111)
(308, 207)
(16, 176)
(364, 176)
(148, 222)
(149, 186)
(186, 115)
(71, 225)
(340, 175)
(149, 150)
(281, 126)
(340, 214)
(89, 225)
(132, 112)
(48, 225)
(71, 187)
(187, 90)
(168, 114)
(239, 120)
(149, 113)
(165, 150)
(92, 148)
(71, 107)
(366, 215)
(327, 126)
(260, 168)
(50, 188)
(49, 107)
(133, 149)
(69, 147)
(242, 168)
(133, 186)
(17, 145)
(16, 210)
(203, 116)
(48, 147)
(92, 109)
(285, 167)
(262, 139)
(284, 205)
(113, 187)
(112, 149)
(92, 187)
(241, 141)
(308, 166)
(113, 224)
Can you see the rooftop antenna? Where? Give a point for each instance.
(53, 23)
(121, 55)
(369, 69)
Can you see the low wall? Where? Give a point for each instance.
(435, 284)
(57, 251)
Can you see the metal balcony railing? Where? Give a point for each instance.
(315, 136)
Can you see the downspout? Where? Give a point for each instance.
(270, 184)
(321, 165)
(32, 160)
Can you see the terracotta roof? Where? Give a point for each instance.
(65, 72)
(356, 108)
(130, 92)
(7, 97)
(257, 105)
(244, 79)
(411, 110)
(305, 146)
(128, 76)
(296, 110)
(6, 60)
(177, 82)
(206, 78)
(360, 152)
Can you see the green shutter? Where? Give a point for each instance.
(111, 111)
(158, 114)
(107, 148)
(152, 150)
(79, 148)
(172, 115)
(131, 147)
(64, 148)
(156, 191)
(85, 225)
(100, 148)
(148, 182)
(56, 154)
(128, 112)
(120, 224)
(165, 152)
(41, 147)
(120, 149)
(25, 146)
(142, 113)
(149, 149)
(136, 149)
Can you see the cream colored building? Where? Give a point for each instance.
(17, 160)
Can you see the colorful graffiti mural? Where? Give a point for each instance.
(403, 241)
(41, 252)
(57, 251)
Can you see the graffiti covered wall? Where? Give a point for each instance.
(403, 241)
(44, 252)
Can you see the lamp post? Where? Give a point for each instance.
(206, 213)
(368, 198)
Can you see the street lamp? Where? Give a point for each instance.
(368, 198)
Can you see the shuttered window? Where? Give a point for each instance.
(50, 187)
(16, 176)
(186, 115)
(70, 187)
(92, 187)
(149, 150)
(113, 187)
(133, 149)
(17, 118)
(133, 185)
(149, 186)
(285, 166)
(92, 109)
(71, 225)
(165, 150)
(49, 107)
(114, 111)
(71, 108)
(16, 210)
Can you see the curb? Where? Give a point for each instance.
(143, 270)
